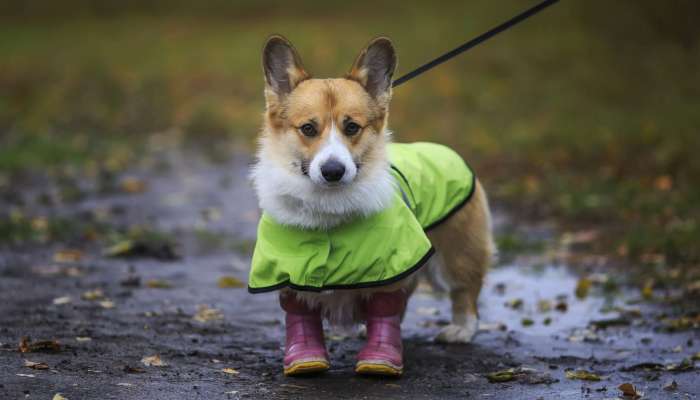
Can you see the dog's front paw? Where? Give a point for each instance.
(457, 333)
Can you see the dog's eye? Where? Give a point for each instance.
(308, 130)
(351, 128)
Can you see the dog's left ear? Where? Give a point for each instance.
(374, 68)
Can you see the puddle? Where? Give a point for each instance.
(512, 294)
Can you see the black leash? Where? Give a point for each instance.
(474, 42)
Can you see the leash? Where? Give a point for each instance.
(474, 42)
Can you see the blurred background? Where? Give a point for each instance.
(587, 113)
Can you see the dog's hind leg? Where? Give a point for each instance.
(466, 247)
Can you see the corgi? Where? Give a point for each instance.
(351, 219)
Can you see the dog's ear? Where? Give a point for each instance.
(374, 68)
(282, 66)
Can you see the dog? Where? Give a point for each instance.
(350, 218)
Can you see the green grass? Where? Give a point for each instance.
(587, 112)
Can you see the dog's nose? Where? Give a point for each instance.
(332, 170)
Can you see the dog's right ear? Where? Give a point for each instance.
(282, 66)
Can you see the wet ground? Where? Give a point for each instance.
(543, 321)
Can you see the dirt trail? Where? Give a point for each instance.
(532, 321)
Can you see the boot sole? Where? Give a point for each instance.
(306, 368)
(378, 367)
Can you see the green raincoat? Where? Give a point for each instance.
(432, 183)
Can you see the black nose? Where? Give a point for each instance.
(332, 170)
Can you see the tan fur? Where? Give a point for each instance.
(466, 246)
(326, 101)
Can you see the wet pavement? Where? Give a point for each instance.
(539, 317)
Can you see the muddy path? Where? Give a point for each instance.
(109, 313)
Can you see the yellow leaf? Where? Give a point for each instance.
(501, 376)
(230, 282)
(153, 361)
(67, 256)
(583, 287)
(230, 371)
(58, 396)
(206, 314)
(119, 249)
(648, 290)
(158, 284)
(93, 295)
(582, 375)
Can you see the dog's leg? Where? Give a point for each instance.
(466, 246)
(465, 321)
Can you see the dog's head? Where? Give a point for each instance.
(327, 130)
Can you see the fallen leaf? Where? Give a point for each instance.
(118, 249)
(522, 374)
(547, 321)
(515, 303)
(83, 339)
(561, 306)
(527, 322)
(35, 365)
(685, 365)
(206, 314)
(582, 375)
(230, 371)
(677, 349)
(648, 290)
(58, 396)
(145, 244)
(681, 324)
(153, 361)
(606, 323)
(583, 287)
(62, 300)
(125, 384)
(671, 386)
(544, 306)
(628, 390)
(663, 183)
(91, 295)
(133, 185)
(67, 256)
(106, 304)
(696, 356)
(27, 346)
(230, 282)
(158, 284)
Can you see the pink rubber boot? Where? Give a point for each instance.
(382, 355)
(305, 351)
